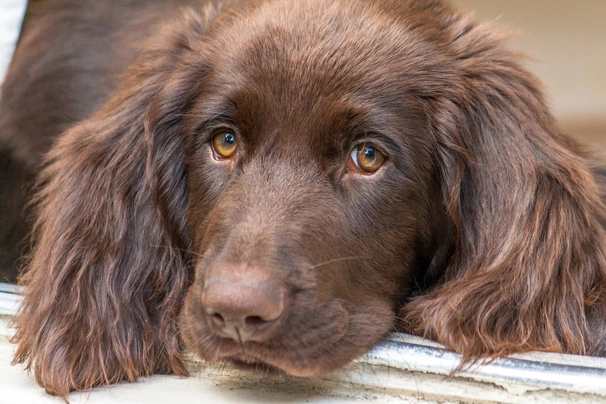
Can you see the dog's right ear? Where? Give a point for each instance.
(110, 263)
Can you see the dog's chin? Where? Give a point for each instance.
(250, 363)
(278, 368)
(275, 368)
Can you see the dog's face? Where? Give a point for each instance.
(308, 164)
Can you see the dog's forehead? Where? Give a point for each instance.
(315, 61)
(319, 46)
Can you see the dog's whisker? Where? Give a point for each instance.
(335, 260)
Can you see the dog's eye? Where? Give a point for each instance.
(224, 144)
(365, 159)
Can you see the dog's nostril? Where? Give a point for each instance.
(256, 321)
(217, 319)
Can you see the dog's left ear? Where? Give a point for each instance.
(529, 262)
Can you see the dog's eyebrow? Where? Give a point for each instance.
(220, 114)
(218, 118)
(212, 108)
(362, 126)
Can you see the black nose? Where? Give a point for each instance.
(243, 308)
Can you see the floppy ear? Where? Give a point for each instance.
(529, 221)
(109, 266)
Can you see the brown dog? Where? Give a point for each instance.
(277, 183)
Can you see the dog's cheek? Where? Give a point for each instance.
(386, 236)
(205, 184)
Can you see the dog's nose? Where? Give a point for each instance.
(246, 309)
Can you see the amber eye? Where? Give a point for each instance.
(224, 144)
(366, 159)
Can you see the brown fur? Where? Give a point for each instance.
(484, 230)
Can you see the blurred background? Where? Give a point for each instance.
(566, 42)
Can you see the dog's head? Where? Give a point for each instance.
(273, 182)
(313, 197)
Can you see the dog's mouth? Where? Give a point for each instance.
(299, 348)
(274, 362)
(279, 361)
(250, 363)
(281, 355)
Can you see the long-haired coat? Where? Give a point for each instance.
(282, 183)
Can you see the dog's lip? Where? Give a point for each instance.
(249, 362)
(275, 364)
